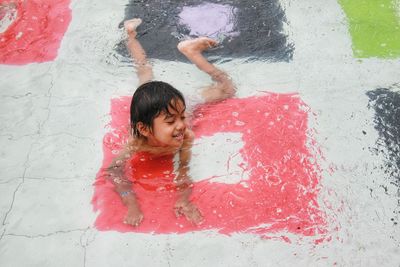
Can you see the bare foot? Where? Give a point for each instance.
(131, 25)
(197, 45)
(218, 92)
(190, 211)
(134, 216)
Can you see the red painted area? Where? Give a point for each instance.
(279, 195)
(36, 31)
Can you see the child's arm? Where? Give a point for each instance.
(123, 186)
(183, 183)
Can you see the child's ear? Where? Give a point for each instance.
(143, 129)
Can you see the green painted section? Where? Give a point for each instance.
(374, 27)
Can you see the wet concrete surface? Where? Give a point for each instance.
(55, 114)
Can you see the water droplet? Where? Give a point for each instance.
(244, 184)
(239, 123)
(19, 35)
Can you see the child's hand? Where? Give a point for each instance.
(189, 210)
(134, 216)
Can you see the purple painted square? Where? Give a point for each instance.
(208, 19)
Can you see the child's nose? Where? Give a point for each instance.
(181, 125)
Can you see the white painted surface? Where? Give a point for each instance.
(221, 154)
(52, 122)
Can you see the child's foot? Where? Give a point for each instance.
(190, 211)
(134, 216)
(218, 92)
(131, 25)
(197, 45)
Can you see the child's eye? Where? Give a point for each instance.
(170, 122)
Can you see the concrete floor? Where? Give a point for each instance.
(53, 118)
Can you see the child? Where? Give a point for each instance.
(159, 124)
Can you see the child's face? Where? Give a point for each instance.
(169, 129)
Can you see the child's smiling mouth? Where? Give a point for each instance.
(178, 136)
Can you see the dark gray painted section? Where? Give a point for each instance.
(260, 24)
(386, 103)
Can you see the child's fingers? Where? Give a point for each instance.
(196, 217)
(138, 221)
(178, 212)
(191, 213)
(134, 221)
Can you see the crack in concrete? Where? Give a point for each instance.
(169, 258)
(86, 239)
(12, 203)
(10, 180)
(76, 178)
(49, 95)
(16, 96)
(84, 257)
(2, 234)
(19, 185)
(168, 252)
(12, 138)
(8, 136)
(29, 94)
(71, 135)
(72, 105)
(47, 235)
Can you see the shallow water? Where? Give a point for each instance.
(275, 189)
(165, 23)
(55, 115)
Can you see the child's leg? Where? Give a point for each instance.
(223, 86)
(143, 68)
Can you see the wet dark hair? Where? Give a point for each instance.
(149, 100)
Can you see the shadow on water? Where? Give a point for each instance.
(252, 30)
